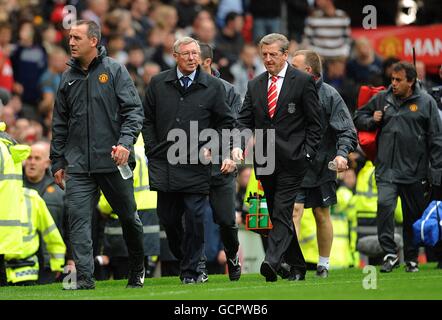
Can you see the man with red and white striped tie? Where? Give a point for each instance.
(284, 100)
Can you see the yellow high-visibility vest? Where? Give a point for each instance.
(367, 195)
(11, 157)
(36, 219)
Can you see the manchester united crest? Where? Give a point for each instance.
(413, 107)
(103, 78)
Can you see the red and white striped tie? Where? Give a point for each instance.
(272, 96)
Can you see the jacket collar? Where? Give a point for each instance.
(201, 78)
(416, 94)
(102, 53)
(263, 79)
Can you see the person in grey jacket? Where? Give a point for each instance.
(97, 107)
(222, 185)
(409, 140)
(338, 140)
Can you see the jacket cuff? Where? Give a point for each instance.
(57, 165)
(342, 153)
(57, 264)
(126, 141)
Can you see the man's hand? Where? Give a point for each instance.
(341, 164)
(228, 166)
(59, 177)
(377, 116)
(120, 154)
(237, 154)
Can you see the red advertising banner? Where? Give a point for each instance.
(399, 42)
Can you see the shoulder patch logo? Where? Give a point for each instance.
(103, 78)
(413, 107)
(50, 189)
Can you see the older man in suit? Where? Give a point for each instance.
(282, 101)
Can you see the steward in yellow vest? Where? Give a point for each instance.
(11, 157)
(35, 219)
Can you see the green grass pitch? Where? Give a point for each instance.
(341, 284)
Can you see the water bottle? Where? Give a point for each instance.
(125, 171)
(332, 166)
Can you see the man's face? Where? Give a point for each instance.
(187, 58)
(37, 163)
(273, 58)
(400, 84)
(248, 56)
(298, 62)
(79, 42)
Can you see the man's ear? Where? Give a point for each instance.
(94, 42)
(207, 62)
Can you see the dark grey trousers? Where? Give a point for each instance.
(222, 201)
(82, 193)
(413, 205)
(280, 189)
(185, 236)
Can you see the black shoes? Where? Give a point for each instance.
(296, 275)
(268, 272)
(188, 280)
(284, 270)
(391, 261)
(81, 284)
(411, 266)
(234, 268)
(322, 272)
(136, 279)
(202, 278)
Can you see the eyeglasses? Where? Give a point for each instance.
(187, 54)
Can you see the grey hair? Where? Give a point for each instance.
(275, 37)
(93, 29)
(183, 41)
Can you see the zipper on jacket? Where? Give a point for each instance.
(392, 153)
(87, 124)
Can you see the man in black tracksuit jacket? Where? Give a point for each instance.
(410, 139)
(338, 140)
(222, 185)
(97, 107)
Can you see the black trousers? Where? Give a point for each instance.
(222, 201)
(413, 205)
(3, 279)
(186, 241)
(82, 192)
(280, 190)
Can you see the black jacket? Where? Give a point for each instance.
(410, 138)
(168, 106)
(297, 120)
(94, 110)
(233, 100)
(339, 137)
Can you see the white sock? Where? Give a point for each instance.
(324, 261)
